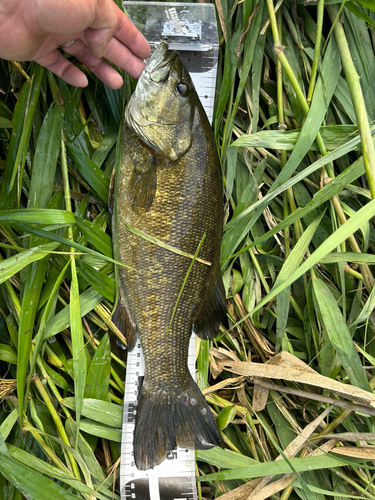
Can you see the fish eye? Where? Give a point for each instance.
(182, 89)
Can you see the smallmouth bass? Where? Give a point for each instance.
(170, 188)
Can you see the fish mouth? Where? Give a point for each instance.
(158, 66)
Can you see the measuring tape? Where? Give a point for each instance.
(191, 29)
(173, 479)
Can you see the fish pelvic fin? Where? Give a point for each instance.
(214, 311)
(166, 420)
(124, 322)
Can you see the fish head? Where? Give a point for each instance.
(161, 109)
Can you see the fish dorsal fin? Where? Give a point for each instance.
(142, 184)
(214, 311)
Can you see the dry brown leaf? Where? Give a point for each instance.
(221, 18)
(311, 395)
(225, 384)
(241, 395)
(366, 452)
(285, 366)
(241, 492)
(252, 332)
(350, 436)
(290, 451)
(260, 396)
(273, 488)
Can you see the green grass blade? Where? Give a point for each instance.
(352, 225)
(78, 346)
(95, 236)
(88, 301)
(8, 354)
(100, 411)
(45, 159)
(339, 335)
(101, 431)
(11, 266)
(101, 282)
(36, 216)
(97, 382)
(95, 177)
(277, 467)
(30, 483)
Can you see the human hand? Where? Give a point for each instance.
(31, 30)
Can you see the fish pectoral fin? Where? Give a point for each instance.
(214, 311)
(142, 185)
(124, 322)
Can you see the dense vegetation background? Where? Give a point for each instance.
(290, 376)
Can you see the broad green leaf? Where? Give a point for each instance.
(8, 354)
(36, 216)
(360, 13)
(291, 265)
(45, 316)
(30, 483)
(323, 195)
(89, 299)
(339, 335)
(368, 4)
(55, 237)
(100, 281)
(109, 140)
(333, 137)
(30, 300)
(47, 469)
(332, 258)
(5, 122)
(367, 309)
(97, 382)
(102, 431)
(22, 123)
(87, 454)
(203, 364)
(78, 344)
(95, 236)
(9, 267)
(45, 158)
(8, 424)
(95, 177)
(225, 417)
(344, 231)
(276, 467)
(101, 411)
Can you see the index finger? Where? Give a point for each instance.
(130, 36)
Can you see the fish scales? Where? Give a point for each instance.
(170, 188)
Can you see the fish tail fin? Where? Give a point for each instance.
(167, 420)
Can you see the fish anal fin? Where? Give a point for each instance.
(124, 322)
(142, 185)
(207, 324)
